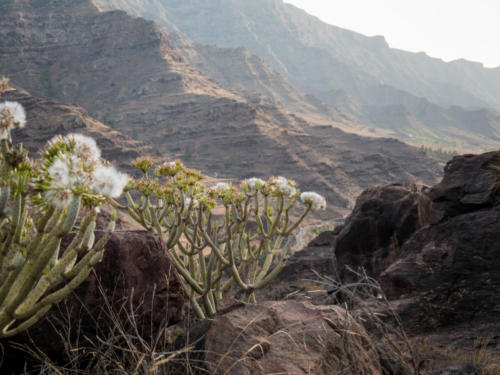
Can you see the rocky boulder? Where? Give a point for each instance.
(436, 252)
(383, 218)
(449, 272)
(287, 337)
(466, 185)
(136, 265)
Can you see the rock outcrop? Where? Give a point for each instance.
(450, 270)
(288, 337)
(381, 222)
(136, 271)
(436, 252)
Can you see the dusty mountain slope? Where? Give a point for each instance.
(124, 71)
(46, 119)
(414, 96)
(248, 74)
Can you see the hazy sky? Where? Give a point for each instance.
(448, 29)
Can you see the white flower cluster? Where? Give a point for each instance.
(221, 188)
(74, 165)
(281, 185)
(252, 185)
(314, 199)
(12, 115)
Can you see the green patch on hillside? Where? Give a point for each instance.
(51, 90)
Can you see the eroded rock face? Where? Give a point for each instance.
(450, 271)
(124, 71)
(436, 253)
(466, 185)
(382, 220)
(46, 119)
(286, 337)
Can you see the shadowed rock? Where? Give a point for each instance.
(438, 252)
(449, 272)
(136, 265)
(382, 220)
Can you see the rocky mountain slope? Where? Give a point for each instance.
(420, 94)
(248, 75)
(125, 73)
(46, 119)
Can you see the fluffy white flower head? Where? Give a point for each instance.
(85, 147)
(15, 110)
(66, 175)
(221, 187)
(109, 182)
(281, 185)
(12, 114)
(76, 167)
(59, 172)
(252, 185)
(314, 199)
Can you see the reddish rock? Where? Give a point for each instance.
(287, 337)
(382, 220)
(137, 264)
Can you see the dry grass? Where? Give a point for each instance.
(4, 84)
(485, 358)
(366, 302)
(121, 345)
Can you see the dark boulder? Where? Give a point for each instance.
(136, 264)
(450, 272)
(436, 252)
(383, 218)
(466, 185)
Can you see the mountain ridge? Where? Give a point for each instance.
(343, 69)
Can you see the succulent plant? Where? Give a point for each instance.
(41, 202)
(236, 252)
